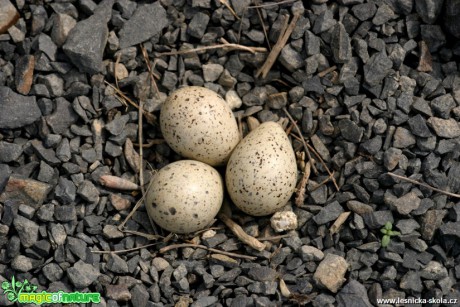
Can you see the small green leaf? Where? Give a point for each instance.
(384, 231)
(385, 241)
(388, 226)
(394, 233)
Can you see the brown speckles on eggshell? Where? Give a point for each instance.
(190, 200)
(263, 162)
(198, 124)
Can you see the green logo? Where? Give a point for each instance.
(24, 293)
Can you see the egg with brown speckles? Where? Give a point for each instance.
(261, 173)
(198, 124)
(185, 196)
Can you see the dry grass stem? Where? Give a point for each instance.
(331, 174)
(274, 238)
(122, 95)
(227, 45)
(285, 33)
(323, 182)
(217, 251)
(271, 4)
(301, 188)
(227, 5)
(118, 183)
(301, 139)
(150, 69)
(264, 29)
(148, 236)
(141, 149)
(138, 204)
(115, 69)
(339, 222)
(326, 71)
(239, 232)
(125, 250)
(424, 185)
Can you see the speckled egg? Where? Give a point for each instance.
(261, 173)
(198, 124)
(185, 196)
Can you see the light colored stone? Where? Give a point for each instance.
(233, 100)
(283, 221)
(445, 128)
(8, 15)
(310, 253)
(330, 272)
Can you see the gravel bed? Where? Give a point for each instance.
(374, 86)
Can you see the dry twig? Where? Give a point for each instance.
(326, 71)
(285, 33)
(150, 143)
(323, 182)
(148, 236)
(125, 250)
(338, 222)
(175, 246)
(301, 140)
(264, 29)
(301, 188)
(271, 4)
(150, 69)
(227, 5)
(239, 232)
(424, 185)
(227, 45)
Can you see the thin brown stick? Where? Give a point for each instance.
(227, 5)
(271, 4)
(118, 183)
(148, 236)
(176, 246)
(301, 188)
(122, 95)
(282, 40)
(125, 250)
(302, 140)
(239, 232)
(264, 29)
(141, 149)
(325, 166)
(274, 238)
(326, 71)
(323, 182)
(424, 185)
(115, 69)
(138, 204)
(150, 69)
(339, 222)
(229, 46)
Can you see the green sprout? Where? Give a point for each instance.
(388, 233)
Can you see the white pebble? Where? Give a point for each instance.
(283, 221)
(233, 100)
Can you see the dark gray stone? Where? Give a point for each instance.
(86, 42)
(429, 10)
(329, 213)
(65, 213)
(81, 275)
(418, 126)
(377, 68)
(65, 191)
(364, 11)
(147, 21)
(27, 230)
(88, 191)
(139, 295)
(53, 272)
(350, 130)
(198, 25)
(443, 105)
(9, 151)
(383, 15)
(312, 43)
(77, 247)
(353, 294)
(451, 229)
(433, 36)
(4, 175)
(290, 58)
(377, 219)
(452, 17)
(324, 22)
(47, 154)
(117, 265)
(17, 111)
(62, 117)
(205, 301)
(262, 273)
(340, 44)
